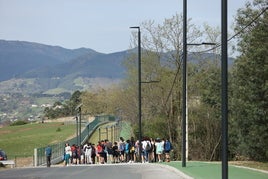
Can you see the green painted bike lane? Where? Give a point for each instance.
(210, 170)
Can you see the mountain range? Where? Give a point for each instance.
(27, 67)
(33, 67)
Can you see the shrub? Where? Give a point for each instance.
(18, 123)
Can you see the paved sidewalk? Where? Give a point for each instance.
(212, 170)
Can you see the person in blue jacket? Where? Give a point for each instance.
(48, 152)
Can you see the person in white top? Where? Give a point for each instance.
(146, 144)
(159, 149)
(68, 154)
(88, 153)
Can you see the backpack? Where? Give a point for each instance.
(132, 147)
(74, 154)
(74, 151)
(148, 146)
(93, 151)
(168, 146)
(99, 149)
(122, 146)
(127, 147)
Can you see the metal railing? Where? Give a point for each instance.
(58, 149)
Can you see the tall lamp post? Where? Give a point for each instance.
(76, 119)
(184, 85)
(78, 109)
(224, 91)
(139, 86)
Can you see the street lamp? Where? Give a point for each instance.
(224, 84)
(76, 119)
(78, 109)
(139, 85)
(184, 85)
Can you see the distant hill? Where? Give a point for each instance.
(42, 67)
(18, 57)
(92, 65)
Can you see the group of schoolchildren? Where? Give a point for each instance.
(119, 152)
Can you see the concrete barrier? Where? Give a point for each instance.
(8, 162)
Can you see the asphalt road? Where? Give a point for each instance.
(114, 171)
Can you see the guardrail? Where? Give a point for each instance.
(58, 149)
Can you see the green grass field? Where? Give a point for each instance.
(21, 140)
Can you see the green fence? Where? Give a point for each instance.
(58, 149)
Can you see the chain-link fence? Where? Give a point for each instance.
(110, 132)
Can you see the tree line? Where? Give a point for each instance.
(162, 88)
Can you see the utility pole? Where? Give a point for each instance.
(224, 91)
(139, 87)
(184, 85)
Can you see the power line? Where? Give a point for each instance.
(216, 46)
(239, 32)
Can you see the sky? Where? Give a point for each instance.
(101, 25)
